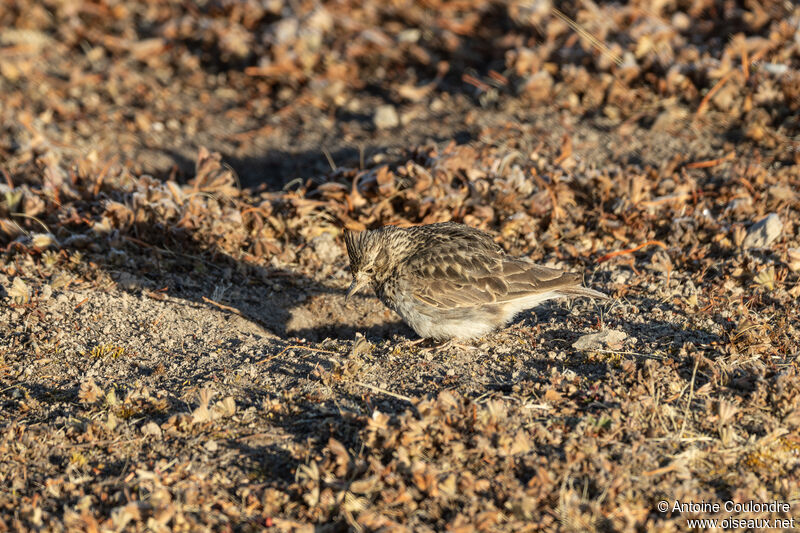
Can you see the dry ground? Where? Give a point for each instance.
(175, 351)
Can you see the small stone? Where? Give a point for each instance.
(620, 278)
(793, 259)
(151, 428)
(681, 21)
(569, 373)
(609, 339)
(539, 87)
(386, 117)
(764, 232)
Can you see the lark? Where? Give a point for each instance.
(449, 281)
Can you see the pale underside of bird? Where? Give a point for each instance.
(451, 281)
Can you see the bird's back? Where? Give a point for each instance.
(452, 265)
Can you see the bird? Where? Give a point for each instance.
(449, 281)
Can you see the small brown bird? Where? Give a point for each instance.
(451, 281)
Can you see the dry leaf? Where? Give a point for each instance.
(90, 392)
(19, 292)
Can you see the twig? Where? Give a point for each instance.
(691, 396)
(668, 198)
(684, 439)
(225, 307)
(663, 470)
(499, 78)
(17, 243)
(630, 250)
(543, 406)
(328, 156)
(234, 174)
(712, 162)
(32, 218)
(265, 130)
(373, 388)
(7, 176)
(566, 149)
(102, 176)
(745, 62)
(714, 90)
(475, 82)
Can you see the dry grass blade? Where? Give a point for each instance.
(380, 390)
(612, 255)
(689, 400)
(221, 306)
(712, 162)
(714, 90)
(605, 50)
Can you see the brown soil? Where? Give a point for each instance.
(175, 350)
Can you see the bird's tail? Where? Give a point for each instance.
(582, 291)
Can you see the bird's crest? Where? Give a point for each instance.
(352, 241)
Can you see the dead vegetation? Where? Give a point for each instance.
(174, 350)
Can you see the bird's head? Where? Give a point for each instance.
(368, 258)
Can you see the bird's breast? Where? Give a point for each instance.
(387, 292)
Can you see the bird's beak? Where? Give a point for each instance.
(356, 286)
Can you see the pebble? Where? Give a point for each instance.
(47, 292)
(609, 339)
(620, 278)
(151, 428)
(764, 232)
(386, 117)
(793, 255)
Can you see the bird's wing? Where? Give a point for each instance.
(449, 279)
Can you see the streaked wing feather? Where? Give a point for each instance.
(458, 266)
(452, 280)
